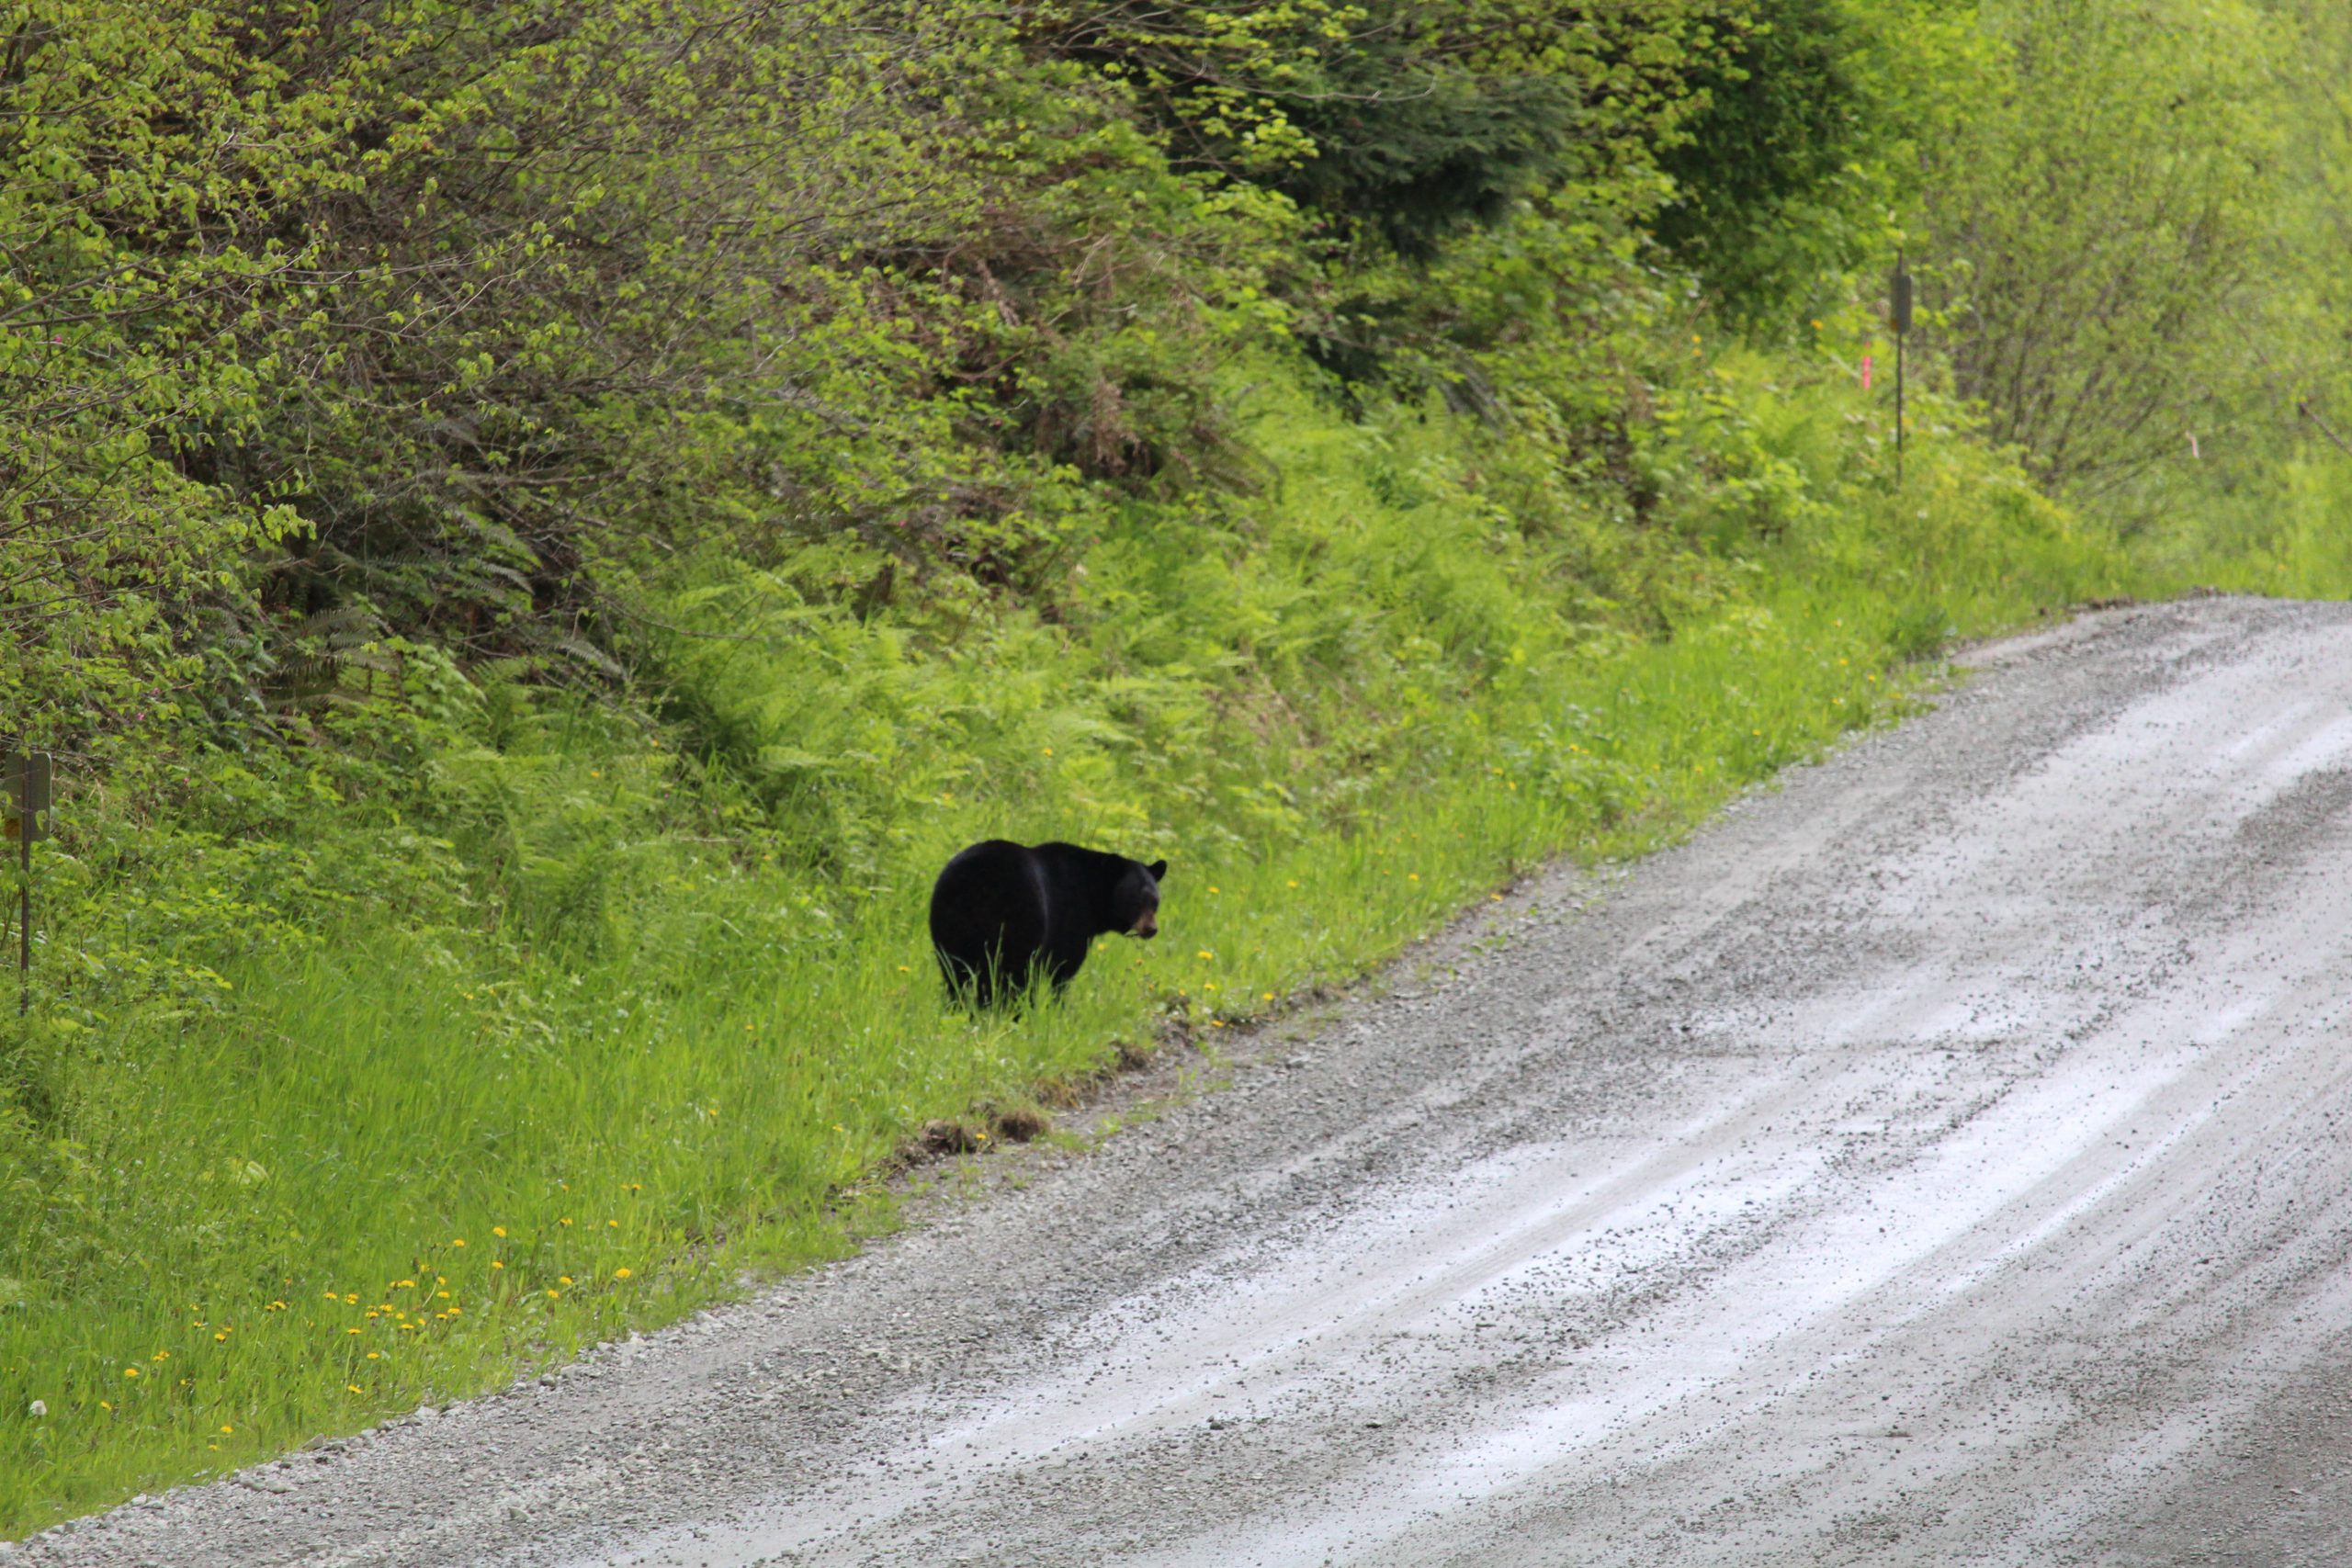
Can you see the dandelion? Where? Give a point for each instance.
(1270, 995)
(163, 1355)
(498, 1231)
(563, 1279)
(458, 1241)
(1204, 953)
(615, 1225)
(130, 1371)
(403, 1285)
(352, 1387)
(375, 1354)
(219, 1337)
(623, 1273)
(565, 1221)
(1213, 890)
(353, 1331)
(554, 1293)
(1412, 876)
(226, 1430)
(105, 1404)
(441, 1295)
(494, 1263)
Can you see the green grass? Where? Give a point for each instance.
(606, 1033)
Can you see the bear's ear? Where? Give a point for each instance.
(1157, 868)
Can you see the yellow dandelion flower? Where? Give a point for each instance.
(105, 1404)
(563, 1279)
(375, 1354)
(620, 1273)
(615, 1225)
(553, 1292)
(458, 1241)
(1412, 876)
(498, 1231)
(565, 1221)
(1204, 953)
(494, 1263)
(352, 1387)
(163, 1355)
(219, 1337)
(130, 1371)
(441, 1295)
(352, 1331)
(225, 1430)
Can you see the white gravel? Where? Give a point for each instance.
(1943, 1160)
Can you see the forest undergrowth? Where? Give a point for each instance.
(533, 532)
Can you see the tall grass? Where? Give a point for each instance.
(576, 1013)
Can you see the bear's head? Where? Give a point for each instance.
(1136, 899)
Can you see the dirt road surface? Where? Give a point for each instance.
(1944, 1159)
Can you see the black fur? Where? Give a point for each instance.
(1002, 912)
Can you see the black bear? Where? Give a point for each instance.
(1002, 909)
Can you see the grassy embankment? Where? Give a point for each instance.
(530, 1038)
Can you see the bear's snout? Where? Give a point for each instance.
(1147, 925)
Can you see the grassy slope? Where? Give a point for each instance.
(565, 1017)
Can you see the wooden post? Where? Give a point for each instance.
(27, 782)
(1899, 300)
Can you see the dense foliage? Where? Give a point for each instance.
(534, 529)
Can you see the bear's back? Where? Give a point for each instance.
(991, 915)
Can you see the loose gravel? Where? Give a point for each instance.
(1940, 1159)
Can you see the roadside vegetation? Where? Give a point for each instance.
(534, 531)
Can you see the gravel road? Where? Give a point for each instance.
(1942, 1159)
